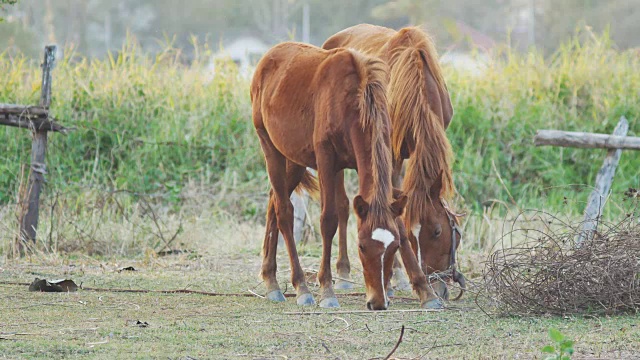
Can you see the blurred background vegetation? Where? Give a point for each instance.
(156, 112)
(95, 27)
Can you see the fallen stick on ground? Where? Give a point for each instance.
(187, 291)
(397, 344)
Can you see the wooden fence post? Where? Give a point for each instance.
(29, 223)
(598, 197)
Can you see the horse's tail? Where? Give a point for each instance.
(308, 183)
(374, 119)
(409, 106)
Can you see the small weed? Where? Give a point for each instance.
(563, 348)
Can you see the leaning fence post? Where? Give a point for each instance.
(29, 223)
(598, 197)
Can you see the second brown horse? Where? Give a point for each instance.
(420, 109)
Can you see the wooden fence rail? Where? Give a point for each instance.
(585, 140)
(615, 143)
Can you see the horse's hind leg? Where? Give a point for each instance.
(342, 266)
(276, 166)
(269, 249)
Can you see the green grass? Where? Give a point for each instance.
(153, 125)
(147, 124)
(101, 325)
(587, 85)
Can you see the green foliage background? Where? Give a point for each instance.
(152, 124)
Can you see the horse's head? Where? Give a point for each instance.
(437, 237)
(378, 241)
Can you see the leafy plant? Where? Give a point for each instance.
(563, 348)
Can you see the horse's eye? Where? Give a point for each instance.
(361, 247)
(438, 231)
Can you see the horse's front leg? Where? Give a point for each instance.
(328, 225)
(428, 299)
(399, 281)
(343, 266)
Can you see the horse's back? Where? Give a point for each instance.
(290, 76)
(302, 94)
(382, 42)
(286, 67)
(367, 38)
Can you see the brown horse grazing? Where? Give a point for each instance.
(327, 110)
(420, 109)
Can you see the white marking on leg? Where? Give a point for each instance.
(416, 232)
(386, 238)
(384, 291)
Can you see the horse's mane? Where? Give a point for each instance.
(412, 54)
(374, 116)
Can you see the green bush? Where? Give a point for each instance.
(152, 124)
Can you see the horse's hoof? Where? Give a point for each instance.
(435, 304)
(343, 285)
(403, 286)
(390, 292)
(275, 295)
(306, 300)
(329, 303)
(399, 281)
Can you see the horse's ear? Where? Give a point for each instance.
(436, 187)
(361, 207)
(397, 207)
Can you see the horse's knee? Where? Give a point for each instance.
(284, 213)
(329, 223)
(343, 208)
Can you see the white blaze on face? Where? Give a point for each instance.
(383, 235)
(416, 232)
(386, 238)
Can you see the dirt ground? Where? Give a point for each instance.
(110, 325)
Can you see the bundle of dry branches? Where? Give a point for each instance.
(550, 273)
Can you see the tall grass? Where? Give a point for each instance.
(151, 124)
(587, 85)
(147, 124)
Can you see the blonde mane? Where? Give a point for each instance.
(414, 120)
(374, 116)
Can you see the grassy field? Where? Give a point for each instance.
(103, 325)
(224, 258)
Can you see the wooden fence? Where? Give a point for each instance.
(39, 121)
(615, 143)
